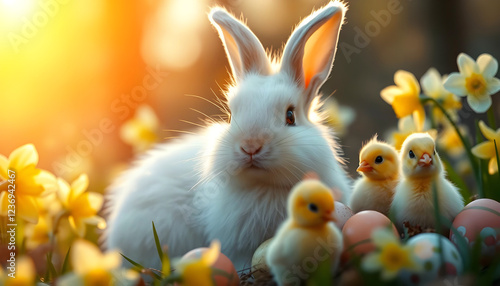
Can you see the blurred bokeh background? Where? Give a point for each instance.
(72, 72)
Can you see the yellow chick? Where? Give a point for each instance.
(379, 169)
(307, 239)
(422, 171)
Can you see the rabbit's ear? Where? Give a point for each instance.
(243, 49)
(309, 53)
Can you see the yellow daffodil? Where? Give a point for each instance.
(30, 182)
(405, 97)
(449, 140)
(476, 80)
(91, 267)
(391, 256)
(198, 271)
(81, 206)
(406, 127)
(486, 150)
(38, 234)
(25, 274)
(141, 130)
(432, 86)
(338, 117)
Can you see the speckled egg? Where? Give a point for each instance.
(428, 248)
(225, 275)
(358, 229)
(480, 218)
(342, 214)
(259, 265)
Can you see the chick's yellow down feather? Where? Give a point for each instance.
(308, 237)
(422, 171)
(379, 169)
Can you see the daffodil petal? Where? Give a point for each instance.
(431, 82)
(383, 236)
(405, 104)
(488, 65)
(484, 150)
(79, 185)
(455, 83)
(493, 166)
(87, 204)
(26, 182)
(77, 225)
(407, 81)
(25, 271)
(26, 208)
(4, 166)
(371, 262)
(479, 104)
(419, 118)
(467, 65)
(210, 256)
(111, 260)
(488, 132)
(96, 220)
(63, 191)
(23, 157)
(85, 257)
(493, 85)
(4, 203)
(389, 93)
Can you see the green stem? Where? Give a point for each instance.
(491, 118)
(466, 143)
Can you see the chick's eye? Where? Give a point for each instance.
(379, 160)
(313, 208)
(411, 154)
(290, 116)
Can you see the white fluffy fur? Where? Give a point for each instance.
(201, 188)
(367, 195)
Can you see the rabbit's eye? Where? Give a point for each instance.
(290, 116)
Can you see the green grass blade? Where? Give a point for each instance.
(136, 265)
(157, 242)
(51, 273)
(65, 265)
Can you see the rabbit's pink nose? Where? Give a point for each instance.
(251, 150)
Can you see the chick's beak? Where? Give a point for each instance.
(425, 160)
(364, 167)
(329, 216)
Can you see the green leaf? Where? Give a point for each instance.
(157, 242)
(322, 275)
(65, 265)
(498, 159)
(137, 266)
(51, 273)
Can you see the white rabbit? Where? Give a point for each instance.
(231, 180)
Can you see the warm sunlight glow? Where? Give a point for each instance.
(173, 35)
(14, 10)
